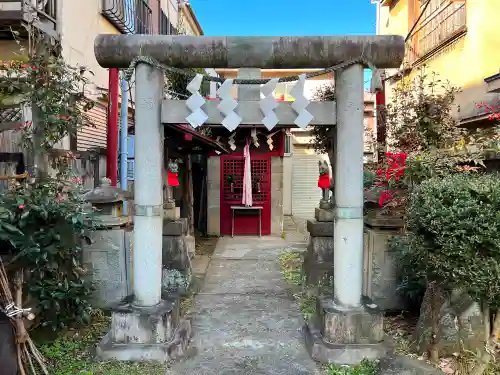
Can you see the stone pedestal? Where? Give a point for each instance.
(380, 281)
(108, 259)
(323, 215)
(108, 253)
(146, 333)
(318, 261)
(345, 336)
(170, 212)
(178, 249)
(172, 230)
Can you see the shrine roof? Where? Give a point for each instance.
(190, 140)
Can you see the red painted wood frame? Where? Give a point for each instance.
(245, 223)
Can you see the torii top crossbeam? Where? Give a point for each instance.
(271, 52)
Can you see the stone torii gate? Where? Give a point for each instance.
(147, 328)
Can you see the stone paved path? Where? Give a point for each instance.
(244, 320)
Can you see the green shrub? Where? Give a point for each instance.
(44, 224)
(455, 233)
(454, 240)
(364, 368)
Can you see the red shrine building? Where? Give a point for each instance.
(225, 186)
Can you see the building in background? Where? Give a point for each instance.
(165, 17)
(75, 24)
(456, 39)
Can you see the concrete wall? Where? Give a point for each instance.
(213, 195)
(277, 195)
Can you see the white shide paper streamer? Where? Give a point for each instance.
(227, 106)
(268, 104)
(300, 104)
(195, 102)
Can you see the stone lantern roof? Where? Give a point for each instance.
(105, 193)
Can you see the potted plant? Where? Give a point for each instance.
(231, 180)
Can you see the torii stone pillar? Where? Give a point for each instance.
(148, 197)
(348, 224)
(349, 328)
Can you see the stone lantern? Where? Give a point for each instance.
(108, 257)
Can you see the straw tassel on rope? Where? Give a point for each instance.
(27, 353)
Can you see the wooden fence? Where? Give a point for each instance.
(88, 165)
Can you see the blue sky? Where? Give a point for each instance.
(286, 17)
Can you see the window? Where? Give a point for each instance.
(441, 20)
(129, 16)
(143, 17)
(166, 27)
(431, 8)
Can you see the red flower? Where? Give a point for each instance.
(401, 156)
(380, 172)
(384, 197)
(21, 206)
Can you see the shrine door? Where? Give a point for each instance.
(245, 222)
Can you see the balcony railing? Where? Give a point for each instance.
(166, 27)
(42, 15)
(129, 16)
(439, 27)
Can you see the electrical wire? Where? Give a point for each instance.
(410, 34)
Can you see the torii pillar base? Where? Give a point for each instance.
(345, 336)
(146, 333)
